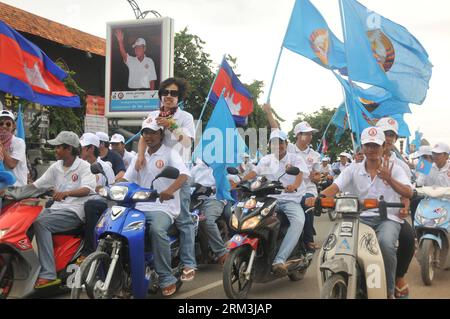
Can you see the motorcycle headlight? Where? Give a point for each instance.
(347, 205)
(103, 192)
(252, 222)
(3, 232)
(234, 221)
(118, 192)
(255, 185)
(141, 195)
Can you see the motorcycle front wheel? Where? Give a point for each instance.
(335, 287)
(427, 258)
(235, 283)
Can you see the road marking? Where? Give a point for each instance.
(197, 291)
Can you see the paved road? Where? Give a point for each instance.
(208, 282)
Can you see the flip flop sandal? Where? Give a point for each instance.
(44, 283)
(402, 293)
(188, 274)
(169, 290)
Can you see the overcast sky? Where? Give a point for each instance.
(253, 30)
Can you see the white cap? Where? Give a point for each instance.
(150, 122)
(423, 150)
(441, 148)
(65, 137)
(117, 138)
(346, 155)
(139, 41)
(372, 135)
(6, 113)
(103, 137)
(388, 124)
(244, 155)
(89, 139)
(325, 159)
(278, 134)
(303, 127)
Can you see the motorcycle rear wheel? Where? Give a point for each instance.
(235, 284)
(335, 287)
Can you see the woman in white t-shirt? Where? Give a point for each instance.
(12, 149)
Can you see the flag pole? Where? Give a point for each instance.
(274, 74)
(326, 130)
(209, 93)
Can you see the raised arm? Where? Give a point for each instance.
(268, 110)
(123, 52)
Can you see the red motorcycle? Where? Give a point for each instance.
(19, 262)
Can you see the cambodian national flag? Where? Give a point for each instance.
(238, 98)
(26, 72)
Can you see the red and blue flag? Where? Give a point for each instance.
(238, 98)
(27, 72)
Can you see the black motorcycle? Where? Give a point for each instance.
(204, 254)
(260, 231)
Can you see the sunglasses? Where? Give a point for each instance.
(7, 123)
(173, 93)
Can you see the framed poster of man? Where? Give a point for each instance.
(139, 55)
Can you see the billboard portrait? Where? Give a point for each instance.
(139, 56)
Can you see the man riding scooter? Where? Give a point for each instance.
(372, 178)
(72, 182)
(273, 166)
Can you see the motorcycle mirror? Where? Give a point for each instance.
(232, 171)
(292, 170)
(169, 172)
(96, 168)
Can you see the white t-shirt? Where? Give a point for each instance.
(17, 150)
(400, 163)
(127, 158)
(101, 181)
(325, 169)
(203, 174)
(355, 177)
(140, 73)
(439, 177)
(155, 163)
(77, 176)
(312, 160)
(185, 121)
(272, 168)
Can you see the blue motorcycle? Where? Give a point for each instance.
(123, 265)
(432, 224)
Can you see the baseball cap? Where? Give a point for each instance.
(102, 136)
(388, 124)
(89, 139)
(150, 122)
(304, 127)
(65, 137)
(346, 155)
(139, 41)
(325, 159)
(6, 113)
(372, 135)
(423, 150)
(278, 134)
(117, 138)
(441, 148)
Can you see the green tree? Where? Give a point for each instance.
(320, 120)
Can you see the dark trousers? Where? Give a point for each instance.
(93, 209)
(405, 250)
(308, 230)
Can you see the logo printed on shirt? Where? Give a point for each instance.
(310, 160)
(74, 177)
(159, 164)
(146, 66)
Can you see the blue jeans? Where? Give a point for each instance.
(213, 209)
(158, 224)
(387, 234)
(296, 217)
(185, 226)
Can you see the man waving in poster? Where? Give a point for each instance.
(142, 73)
